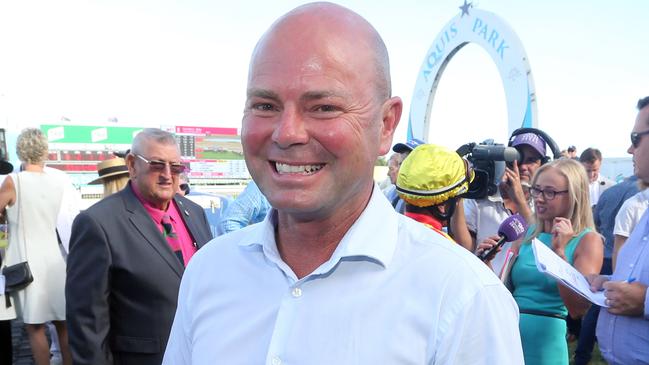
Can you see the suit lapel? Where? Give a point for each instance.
(191, 220)
(143, 223)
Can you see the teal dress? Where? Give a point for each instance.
(543, 333)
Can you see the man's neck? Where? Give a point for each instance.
(32, 167)
(306, 244)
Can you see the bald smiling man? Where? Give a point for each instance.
(333, 275)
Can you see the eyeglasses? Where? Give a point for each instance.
(636, 137)
(158, 166)
(548, 194)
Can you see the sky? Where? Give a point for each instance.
(160, 62)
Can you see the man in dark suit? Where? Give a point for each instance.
(127, 255)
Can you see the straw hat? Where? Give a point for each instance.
(431, 175)
(111, 167)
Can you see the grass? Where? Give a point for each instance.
(595, 360)
(222, 155)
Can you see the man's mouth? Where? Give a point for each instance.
(283, 168)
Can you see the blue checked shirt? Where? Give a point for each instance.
(249, 207)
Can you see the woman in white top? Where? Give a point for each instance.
(32, 200)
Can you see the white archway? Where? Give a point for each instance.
(490, 32)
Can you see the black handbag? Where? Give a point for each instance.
(17, 277)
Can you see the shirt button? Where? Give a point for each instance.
(296, 292)
(276, 360)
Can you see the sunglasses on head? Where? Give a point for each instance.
(636, 137)
(176, 168)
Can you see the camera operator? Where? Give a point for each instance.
(431, 181)
(483, 216)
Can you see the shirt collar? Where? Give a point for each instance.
(645, 194)
(374, 234)
(496, 198)
(372, 237)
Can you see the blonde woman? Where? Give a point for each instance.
(563, 222)
(32, 201)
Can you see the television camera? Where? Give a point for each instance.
(488, 160)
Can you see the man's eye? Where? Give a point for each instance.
(326, 108)
(263, 107)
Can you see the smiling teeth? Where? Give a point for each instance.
(283, 168)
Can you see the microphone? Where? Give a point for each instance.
(510, 229)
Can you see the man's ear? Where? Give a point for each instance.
(130, 163)
(391, 114)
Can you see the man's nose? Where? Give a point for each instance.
(166, 171)
(290, 129)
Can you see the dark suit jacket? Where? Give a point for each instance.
(123, 279)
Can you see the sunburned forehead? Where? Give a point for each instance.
(314, 33)
(312, 39)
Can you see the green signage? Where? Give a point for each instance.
(89, 134)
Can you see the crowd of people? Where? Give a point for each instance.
(316, 264)
(559, 195)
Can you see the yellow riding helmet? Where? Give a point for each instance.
(432, 174)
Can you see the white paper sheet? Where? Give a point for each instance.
(550, 263)
(507, 265)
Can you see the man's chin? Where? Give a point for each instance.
(295, 205)
(292, 205)
(164, 197)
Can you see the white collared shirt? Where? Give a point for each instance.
(630, 213)
(597, 187)
(393, 292)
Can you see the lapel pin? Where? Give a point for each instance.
(186, 213)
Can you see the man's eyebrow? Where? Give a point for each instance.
(263, 93)
(307, 96)
(316, 95)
